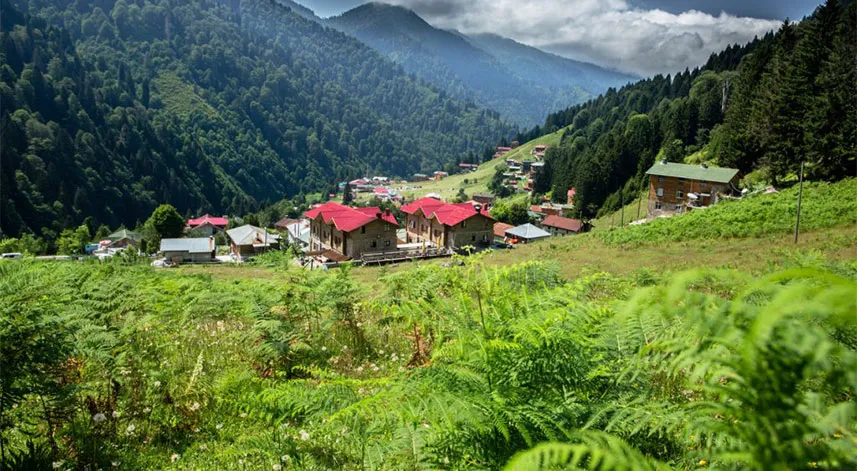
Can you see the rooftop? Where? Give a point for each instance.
(208, 219)
(448, 214)
(560, 222)
(197, 245)
(346, 218)
(528, 232)
(693, 172)
(251, 235)
(500, 229)
(124, 234)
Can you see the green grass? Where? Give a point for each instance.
(180, 98)
(824, 205)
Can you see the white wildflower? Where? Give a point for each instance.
(304, 435)
(175, 457)
(130, 429)
(277, 467)
(219, 426)
(243, 415)
(425, 425)
(359, 369)
(401, 369)
(285, 457)
(323, 349)
(195, 406)
(359, 324)
(115, 464)
(381, 352)
(57, 464)
(375, 367)
(116, 414)
(99, 417)
(147, 410)
(157, 384)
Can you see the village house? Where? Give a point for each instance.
(207, 225)
(124, 238)
(351, 232)
(525, 234)
(468, 167)
(440, 175)
(196, 250)
(419, 177)
(485, 199)
(500, 229)
(560, 226)
(247, 240)
(448, 225)
(676, 188)
(283, 224)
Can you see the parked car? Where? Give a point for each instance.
(11, 255)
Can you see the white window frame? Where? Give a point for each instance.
(659, 192)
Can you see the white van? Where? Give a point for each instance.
(11, 255)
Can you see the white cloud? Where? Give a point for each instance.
(612, 33)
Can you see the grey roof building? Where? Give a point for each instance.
(188, 250)
(527, 233)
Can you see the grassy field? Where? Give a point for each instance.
(477, 181)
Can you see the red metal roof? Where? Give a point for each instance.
(445, 213)
(208, 219)
(560, 222)
(346, 218)
(500, 229)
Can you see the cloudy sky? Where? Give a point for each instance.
(640, 36)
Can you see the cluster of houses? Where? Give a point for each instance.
(201, 246)
(332, 233)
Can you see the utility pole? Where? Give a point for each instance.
(799, 198)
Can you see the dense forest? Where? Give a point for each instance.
(111, 107)
(765, 108)
(522, 83)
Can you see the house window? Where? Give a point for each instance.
(484, 238)
(679, 194)
(660, 192)
(386, 243)
(374, 244)
(660, 179)
(681, 180)
(387, 228)
(473, 238)
(363, 230)
(463, 224)
(658, 205)
(412, 223)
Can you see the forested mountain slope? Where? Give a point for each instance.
(521, 82)
(762, 108)
(109, 107)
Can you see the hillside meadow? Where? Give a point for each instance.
(583, 352)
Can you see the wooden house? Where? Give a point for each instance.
(677, 188)
(197, 250)
(448, 225)
(351, 232)
(246, 241)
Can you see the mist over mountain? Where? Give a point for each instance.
(520, 82)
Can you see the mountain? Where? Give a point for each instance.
(765, 108)
(496, 72)
(112, 107)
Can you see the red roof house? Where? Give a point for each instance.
(351, 231)
(558, 225)
(447, 224)
(208, 224)
(500, 229)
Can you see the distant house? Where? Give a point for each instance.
(440, 175)
(419, 177)
(676, 188)
(208, 225)
(468, 167)
(197, 250)
(486, 199)
(124, 238)
(351, 232)
(247, 240)
(448, 225)
(560, 226)
(503, 150)
(526, 233)
(540, 148)
(283, 224)
(500, 229)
